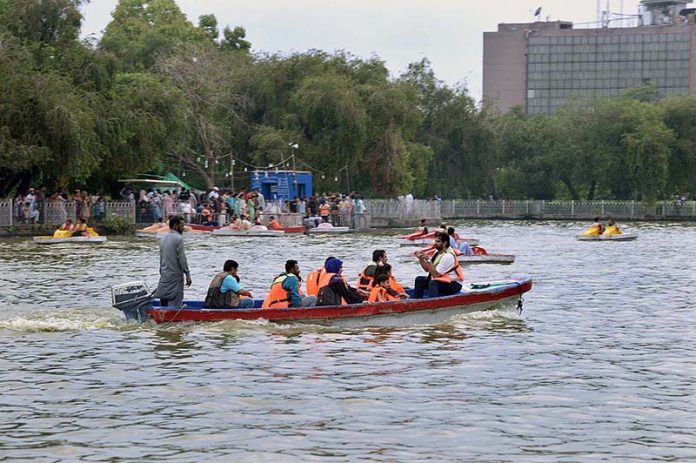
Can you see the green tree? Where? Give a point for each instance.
(142, 30)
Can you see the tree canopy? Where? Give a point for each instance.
(157, 93)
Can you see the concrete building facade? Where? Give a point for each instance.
(540, 66)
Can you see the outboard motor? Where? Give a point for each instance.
(132, 299)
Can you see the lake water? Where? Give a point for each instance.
(598, 367)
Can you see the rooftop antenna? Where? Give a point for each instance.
(537, 13)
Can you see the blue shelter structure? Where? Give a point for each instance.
(282, 184)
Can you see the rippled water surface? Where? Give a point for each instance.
(599, 366)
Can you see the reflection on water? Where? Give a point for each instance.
(597, 367)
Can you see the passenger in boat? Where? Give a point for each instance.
(286, 290)
(67, 226)
(386, 269)
(324, 211)
(333, 289)
(379, 258)
(173, 265)
(423, 229)
(314, 277)
(612, 228)
(224, 290)
(462, 247)
(244, 224)
(274, 224)
(595, 229)
(80, 228)
(381, 292)
(444, 272)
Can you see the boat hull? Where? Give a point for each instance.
(71, 240)
(329, 231)
(384, 314)
(487, 259)
(247, 233)
(429, 241)
(622, 237)
(155, 235)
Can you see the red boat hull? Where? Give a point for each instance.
(393, 313)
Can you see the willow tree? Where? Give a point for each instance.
(205, 77)
(143, 30)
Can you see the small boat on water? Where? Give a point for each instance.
(620, 237)
(480, 256)
(427, 240)
(134, 300)
(65, 236)
(254, 230)
(70, 240)
(226, 231)
(212, 228)
(328, 228)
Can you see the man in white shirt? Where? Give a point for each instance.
(443, 270)
(214, 194)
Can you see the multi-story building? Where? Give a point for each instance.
(540, 65)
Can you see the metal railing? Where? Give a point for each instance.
(566, 209)
(402, 210)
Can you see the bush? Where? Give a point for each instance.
(118, 225)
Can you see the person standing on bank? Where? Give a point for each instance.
(173, 265)
(444, 272)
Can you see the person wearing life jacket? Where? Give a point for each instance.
(274, 224)
(333, 289)
(612, 228)
(314, 277)
(595, 229)
(324, 211)
(444, 272)
(462, 247)
(381, 292)
(386, 269)
(379, 258)
(224, 291)
(286, 290)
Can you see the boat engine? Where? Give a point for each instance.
(132, 299)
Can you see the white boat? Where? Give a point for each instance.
(487, 259)
(429, 241)
(328, 229)
(621, 237)
(160, 235)
(226, 231)
(71, 240)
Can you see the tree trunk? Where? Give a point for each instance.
(593, 189)
(571, 188)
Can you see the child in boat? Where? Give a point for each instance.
(381, 291)
(612, 228)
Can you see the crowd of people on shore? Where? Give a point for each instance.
(38, 205)
(325, 286)
(225, 206)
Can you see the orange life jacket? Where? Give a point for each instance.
(313, 281)
(396, 286)
(278, 297)
(325, 279)
(365, 281)
(324, 210)
(274, 225)
(445, 278)
(379, 294)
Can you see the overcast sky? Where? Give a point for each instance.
(448, 32)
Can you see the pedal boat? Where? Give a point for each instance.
(65, 237)
(420, 239)
(327, 228)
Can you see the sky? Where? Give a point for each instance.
(447, 32)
